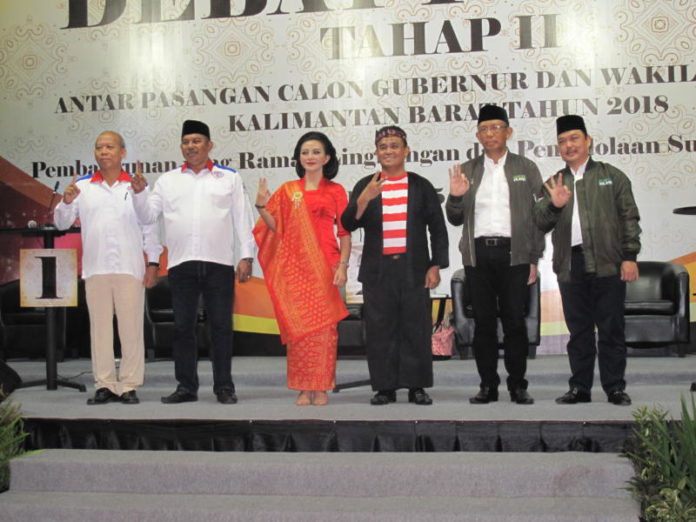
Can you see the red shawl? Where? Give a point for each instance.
(297, 273)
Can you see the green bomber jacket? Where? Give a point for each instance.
(608, 216)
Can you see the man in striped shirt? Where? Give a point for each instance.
(405, 246)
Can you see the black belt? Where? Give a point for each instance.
(577, 249)
(394, 256)
(493, 241)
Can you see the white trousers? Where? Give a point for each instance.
(123, 294)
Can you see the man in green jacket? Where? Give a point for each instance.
(596, 239)
(492, 197)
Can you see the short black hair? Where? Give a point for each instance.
(331, 168)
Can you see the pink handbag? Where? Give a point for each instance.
(443, 332)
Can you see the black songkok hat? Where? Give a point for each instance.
(392, 130)
(195, 127)
(493, 112)
(570, 122)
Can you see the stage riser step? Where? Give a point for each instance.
(69, 507)
(564, 474)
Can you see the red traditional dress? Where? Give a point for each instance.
(298, 262)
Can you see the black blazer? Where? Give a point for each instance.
(424, 214)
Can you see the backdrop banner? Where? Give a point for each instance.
(263, 72)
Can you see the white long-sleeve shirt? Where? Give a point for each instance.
(203, 213)
(113, 240)
(492, 210)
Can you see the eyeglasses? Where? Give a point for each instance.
(491, 128)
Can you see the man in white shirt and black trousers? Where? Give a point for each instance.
(204, 206)
(493, 197)
(113, 267)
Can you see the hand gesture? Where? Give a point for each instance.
(560, 194)
(71, 191)
(533, 273)
(340, 274)
(432, 277)
(263, 194)
(459, 183)
(629, 271)
(150, 278)
(243, 271)
(373, 189)
(138, 183)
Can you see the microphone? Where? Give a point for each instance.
(49, 211)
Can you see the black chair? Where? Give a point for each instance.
(657, 307)
(159, 322)
(77, 327)
(23, 330)
(351, 341)
(464, 315)
(351, 332)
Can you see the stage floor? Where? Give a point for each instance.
(260, 382)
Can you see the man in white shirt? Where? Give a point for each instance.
(204, 207)
(492, 196)
(113, 267)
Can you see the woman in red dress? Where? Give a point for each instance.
(304, 250)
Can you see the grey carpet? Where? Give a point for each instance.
(260, 381)
(66, 485)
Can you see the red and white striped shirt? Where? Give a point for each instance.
(394, 208)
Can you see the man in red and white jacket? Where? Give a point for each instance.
(113, 267)
(204, 209)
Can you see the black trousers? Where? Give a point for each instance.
(188, 281)
(398, 329)
(589, 300)
(499, 289)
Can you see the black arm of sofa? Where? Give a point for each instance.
(677, 288)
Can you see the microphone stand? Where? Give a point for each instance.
(49, 233)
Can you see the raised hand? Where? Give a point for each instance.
(71, 191)
(138, 183)
(459, 183)
(372, 189)
(559, 193)
(263, 194)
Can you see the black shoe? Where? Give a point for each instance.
(129, 397)
(521, 396)
(102, 396)
(418, 396)
(484, 396)
(179, 396)
(226, 397)
(619, 397)
(383, 397)
(573, 396)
